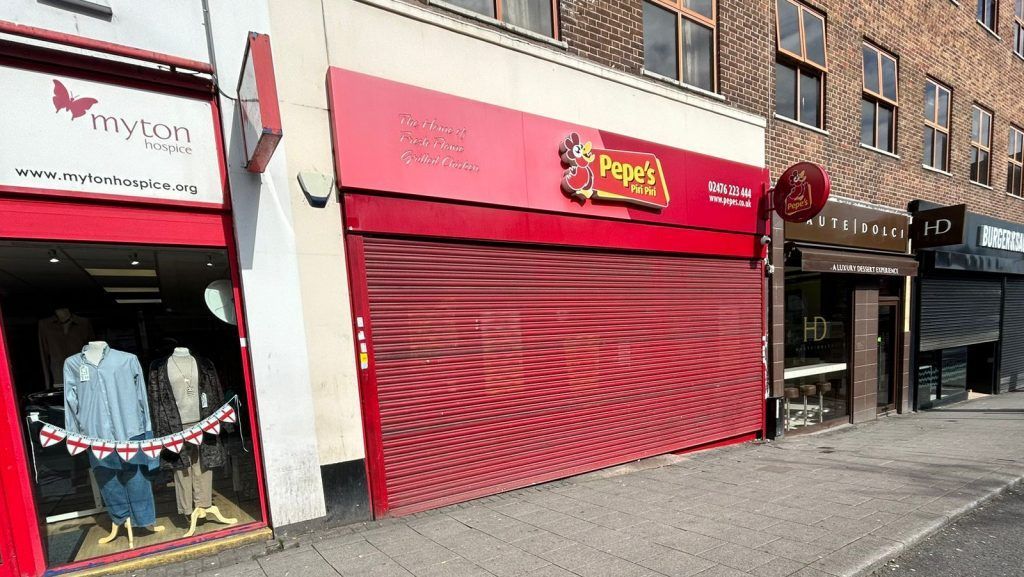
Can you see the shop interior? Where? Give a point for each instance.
(169, 307)
(818, 332)
(949, 375)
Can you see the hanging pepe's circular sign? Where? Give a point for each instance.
(801, 192)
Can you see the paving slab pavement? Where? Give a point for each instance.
(835, 504)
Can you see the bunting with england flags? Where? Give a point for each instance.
(173, 443)
(50, 435)
(76, 443)
(151, 448)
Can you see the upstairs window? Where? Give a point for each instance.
(679, 41)
(981, 145)
(879, 100)
(800, 63)
(1018, 28)
(1016, 167)
(533, 15)
(987, 13)
(936, 125)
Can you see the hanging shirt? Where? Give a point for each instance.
(58, 341)
(106, 400)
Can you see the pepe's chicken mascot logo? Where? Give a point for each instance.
(578, 178)
(799, 197)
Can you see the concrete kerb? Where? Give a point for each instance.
(915, 537)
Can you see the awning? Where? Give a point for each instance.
(949, 260)
(839, 261)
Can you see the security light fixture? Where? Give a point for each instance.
(135, 259)
(53, 257)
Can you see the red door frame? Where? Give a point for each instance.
(50, 215)
(8, 556)
(369, 214)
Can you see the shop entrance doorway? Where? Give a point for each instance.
(888, 354)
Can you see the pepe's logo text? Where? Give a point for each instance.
(620, 176)
(155, 136)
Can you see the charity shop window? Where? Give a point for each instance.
(538, 16)
(936, 125)
(981, 145)
(987, 14)
(1015, 152)
(128, 373)
(800, 63)
(879, 100)
(680, 41)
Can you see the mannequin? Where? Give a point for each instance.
(195, 392)
(96, 371)
(94, 351)
(61, 336)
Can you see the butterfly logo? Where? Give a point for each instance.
(63, 100)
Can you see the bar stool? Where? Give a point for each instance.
(807, 391)
(790, 393)
(823, 387)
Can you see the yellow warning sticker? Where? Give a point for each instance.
(364, 360)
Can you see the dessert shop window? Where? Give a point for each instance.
(680, 39)
(981, 145)
(1015, 168)
(988, 13)
(127, 368)
(936, 125)
(537, 16)
(817, 363)
(800, 64)
(879, 99)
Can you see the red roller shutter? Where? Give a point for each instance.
(502, 366)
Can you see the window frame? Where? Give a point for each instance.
(933, 123)
(978, 145)
(801, 63)
(995, 16)
(499, 12)
(801, 9)
(878, 98)
(683, 12)
(1018, 28)
(1019, 133)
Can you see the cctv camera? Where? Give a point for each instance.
(765, 240)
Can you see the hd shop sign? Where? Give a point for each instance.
(72, 137)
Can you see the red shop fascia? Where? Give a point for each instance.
(533, 298)
(41, 204)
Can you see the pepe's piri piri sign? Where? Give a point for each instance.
(615, 175)
(801, 192)
(400, 139)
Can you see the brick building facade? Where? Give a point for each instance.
(941, 41)
(967, 48)
(937, 39)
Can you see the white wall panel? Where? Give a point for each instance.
(173, 27)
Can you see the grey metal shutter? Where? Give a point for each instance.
(956, 312)
(1012, 355)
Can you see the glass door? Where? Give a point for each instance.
(888, 354)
